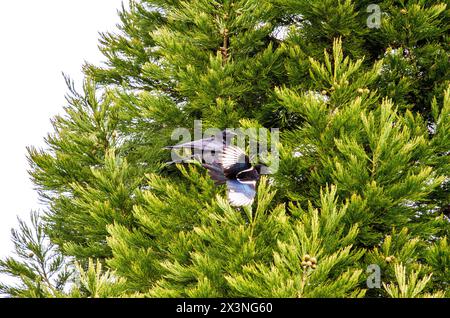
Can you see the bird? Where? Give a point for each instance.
(230, 166)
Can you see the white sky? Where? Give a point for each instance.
(38, 41)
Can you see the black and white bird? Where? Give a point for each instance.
(230, 166)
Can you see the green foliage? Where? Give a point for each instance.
(363, 145)
(363, 177)
(437, 256)
(39, 269)
(69, 175)
(166, 213)
(96, 283)
(408, 286)
(226, 241)
(314, 258)
(127, 52)
(42, 271)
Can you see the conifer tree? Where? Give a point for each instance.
(363, 111)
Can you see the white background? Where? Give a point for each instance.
(38, 41)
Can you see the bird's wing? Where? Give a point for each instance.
(233, 155)
(196, 144)
(212, 143)
(216, 173)
(240, 194)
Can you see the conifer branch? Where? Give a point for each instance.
(224, 47)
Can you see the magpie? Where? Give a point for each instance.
(230, 166)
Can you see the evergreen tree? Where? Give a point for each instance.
(363, 110)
